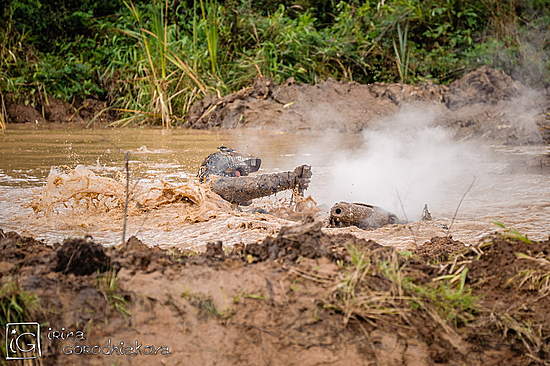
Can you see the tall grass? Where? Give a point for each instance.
(152, 60)
(3, 113)
(402, 53)
(211, 15)
(161, 74)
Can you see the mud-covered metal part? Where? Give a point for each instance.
(228, 163)
(241, 190)
(361, 215)
(426, 214)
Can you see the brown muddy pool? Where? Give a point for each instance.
(512, 186)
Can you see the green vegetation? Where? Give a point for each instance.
(108, 286)
(16, 306)
(513, 234)
(152, 60)
(375, 287)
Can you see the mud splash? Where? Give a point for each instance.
(184, 212)
(81, 188)
(514, 190)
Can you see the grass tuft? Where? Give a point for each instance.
(16, 306)
(513, 234)
(109, 287)
(374, 289)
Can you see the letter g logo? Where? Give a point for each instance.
(23, 341)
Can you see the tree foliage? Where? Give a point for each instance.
(74, 49)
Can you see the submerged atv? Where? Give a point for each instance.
(228, 163)
(227, 171)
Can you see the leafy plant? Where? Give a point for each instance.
(108, 285)
(402, 53)
(16, 306)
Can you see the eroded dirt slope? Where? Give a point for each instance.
(301, 297)
(485, 102)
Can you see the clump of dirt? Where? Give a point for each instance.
(20, 113)
(306, 240)
(302, 296)
(290, 106)
(137, 256)
(484, 85)
(512, 278)
(81, 257)
(405, 93)
(215, 251)
(439, 248)
(57, 110)
(19, 251)
(227, 112)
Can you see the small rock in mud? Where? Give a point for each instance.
(81, 257)
(439, 248)
(215, 250)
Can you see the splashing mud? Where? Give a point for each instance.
(82, 188)
(169, 208)
(80, 198)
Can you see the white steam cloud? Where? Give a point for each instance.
(404, 162)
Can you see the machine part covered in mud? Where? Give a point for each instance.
(241, 190)
(361, 215)
(228, 163)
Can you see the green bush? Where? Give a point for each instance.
(185, 49)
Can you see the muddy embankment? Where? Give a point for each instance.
(55, 110)
(484, 102)
(300, 297)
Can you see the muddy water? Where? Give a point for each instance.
(514, 191)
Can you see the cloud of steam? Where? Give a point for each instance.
(404, 163)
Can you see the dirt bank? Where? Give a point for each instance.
(484, 102)
(300, 297)
(53, 110)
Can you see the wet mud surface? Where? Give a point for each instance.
(299, 297)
